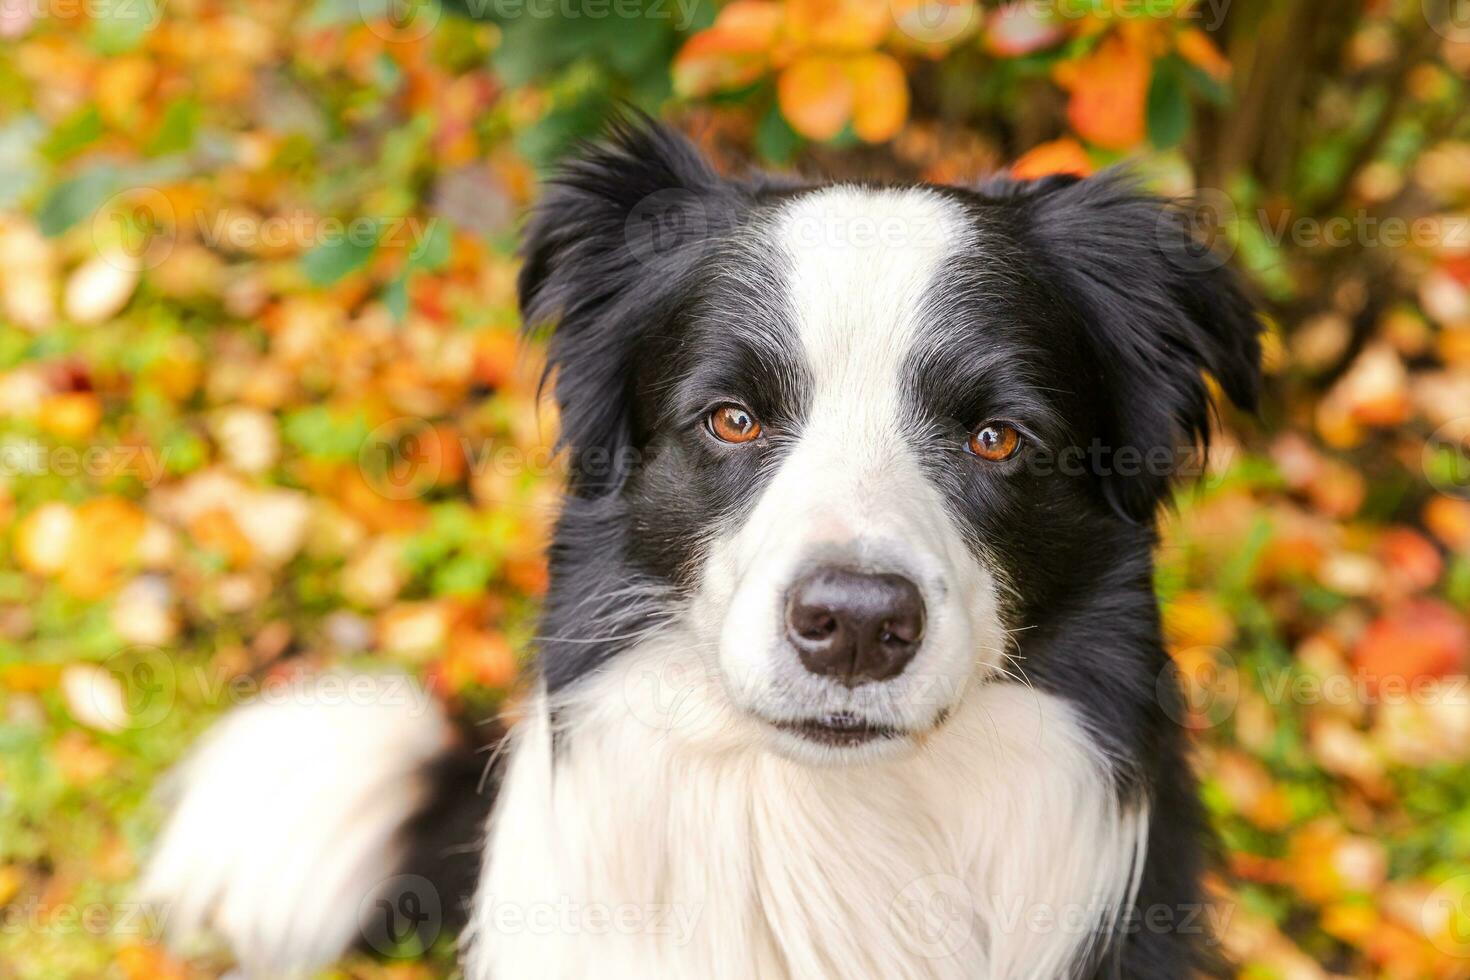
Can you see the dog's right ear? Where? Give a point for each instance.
(609, 251)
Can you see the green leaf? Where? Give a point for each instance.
(1168, 106)
(175, 133)
(432, 251)
(322, 433)
(545, 142)
(334, 260)
(1213, 90)
(463, 575)
(72, 134)
(395, 298)
(73, 200)
(121, 27)
(775, 140)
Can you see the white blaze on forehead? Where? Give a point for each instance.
(861, 266)
(860, 271)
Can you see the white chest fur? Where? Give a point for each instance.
(686, 849)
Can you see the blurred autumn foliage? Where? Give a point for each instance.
(262, 407)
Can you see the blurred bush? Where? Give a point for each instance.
(262, 407)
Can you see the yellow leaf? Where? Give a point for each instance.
(43, 540)
(843, 25)
(816, 96)
(881, 97)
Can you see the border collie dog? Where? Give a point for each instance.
(851, 662)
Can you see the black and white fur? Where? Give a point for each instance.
(658, 810)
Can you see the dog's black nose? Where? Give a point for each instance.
(854, 627)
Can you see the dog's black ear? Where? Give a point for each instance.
(614, 237)
(1159, 309)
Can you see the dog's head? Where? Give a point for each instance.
(855, 440)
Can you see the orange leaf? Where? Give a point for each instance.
(1448, 518)
(733, 53)
(71, 414)
(1109, 88)
(1196, 48)
(1421, 638)
(1195, 619)
(816, 96)
(1063, 156)
(1411, 561)
(882, 97)
(843, 25)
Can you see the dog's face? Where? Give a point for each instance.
(855, 441)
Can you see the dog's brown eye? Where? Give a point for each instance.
(995, 441)
(733, 423)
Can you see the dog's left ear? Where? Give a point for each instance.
(619, 230)
(1159, 309)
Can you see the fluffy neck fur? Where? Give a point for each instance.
(659, 837)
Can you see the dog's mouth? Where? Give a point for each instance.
(840, 730)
